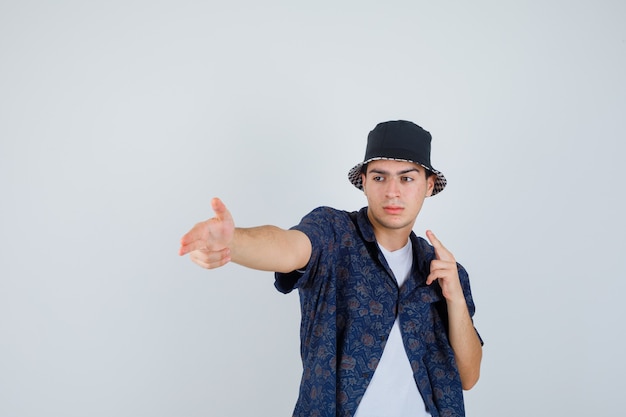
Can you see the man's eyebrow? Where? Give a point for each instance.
(383, 172)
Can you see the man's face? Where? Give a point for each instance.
(395, 193)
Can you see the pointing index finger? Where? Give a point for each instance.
(440, 251)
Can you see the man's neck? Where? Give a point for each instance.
(392, 240)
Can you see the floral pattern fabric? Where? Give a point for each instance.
(349, 300)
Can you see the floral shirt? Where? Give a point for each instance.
(349, 301)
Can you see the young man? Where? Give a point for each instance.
(386, 317)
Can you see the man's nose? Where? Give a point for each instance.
(393, 188)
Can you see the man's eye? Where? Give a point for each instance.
(407, 179)
(378, 178)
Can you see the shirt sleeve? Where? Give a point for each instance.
(317, 225)
(467, 292)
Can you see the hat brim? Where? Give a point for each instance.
(354, 175)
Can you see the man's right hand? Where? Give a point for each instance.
(208, 242)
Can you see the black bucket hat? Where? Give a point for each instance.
(398, 140)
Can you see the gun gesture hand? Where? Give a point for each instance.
(208, 242)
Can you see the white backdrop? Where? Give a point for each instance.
(119, 121)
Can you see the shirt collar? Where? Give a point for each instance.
(365, 226)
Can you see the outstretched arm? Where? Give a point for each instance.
(463, 338)
(215, 242)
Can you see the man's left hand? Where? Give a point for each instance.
(444, 269)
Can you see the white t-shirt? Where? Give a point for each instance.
(392, 392)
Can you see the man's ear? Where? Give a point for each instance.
(430, 184)
(363, 182)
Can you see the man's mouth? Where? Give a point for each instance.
(393, 209)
